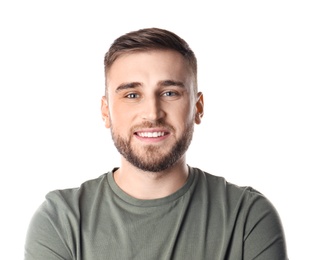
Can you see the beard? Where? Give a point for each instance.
(153, 158)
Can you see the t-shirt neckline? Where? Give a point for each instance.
(150, 202)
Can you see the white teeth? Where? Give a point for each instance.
(151, 134)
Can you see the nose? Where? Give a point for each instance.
(152, 110)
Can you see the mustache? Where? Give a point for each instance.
(148, 124)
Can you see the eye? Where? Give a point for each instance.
(132, 95)
(170, 94)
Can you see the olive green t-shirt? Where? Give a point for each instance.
(208, 218)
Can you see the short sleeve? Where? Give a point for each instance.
(264, 235)
(46, 234)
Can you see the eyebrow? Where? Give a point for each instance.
(129, 85)
(162, 83)
(169, 82)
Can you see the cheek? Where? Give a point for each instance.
(182, 117)
(115, 110)
(186, 111)
(120, 117)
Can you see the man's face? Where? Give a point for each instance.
(150, 108)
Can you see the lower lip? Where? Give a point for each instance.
(151, 139)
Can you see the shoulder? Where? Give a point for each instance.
(63, 204)
(56, 223)
(220, 191)
(218, 184)
(73, 195)
(248, 211)
(250, 214)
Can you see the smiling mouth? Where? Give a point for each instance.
(151, 134)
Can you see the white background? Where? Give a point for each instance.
(254, 66)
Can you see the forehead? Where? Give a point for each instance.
(149, 65)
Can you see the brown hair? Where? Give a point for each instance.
(150, 39)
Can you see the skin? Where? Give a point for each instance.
(151, 92)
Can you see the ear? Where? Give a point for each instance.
(199, 108)
(105, 112)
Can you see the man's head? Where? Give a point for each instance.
(151, 101)
(150, 39)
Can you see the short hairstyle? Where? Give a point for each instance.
(150, 39)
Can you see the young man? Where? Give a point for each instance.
(154, 205)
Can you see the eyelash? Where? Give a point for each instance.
(132, 94)
(171, 93)
(164, 94)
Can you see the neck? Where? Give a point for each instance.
(151, 185)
